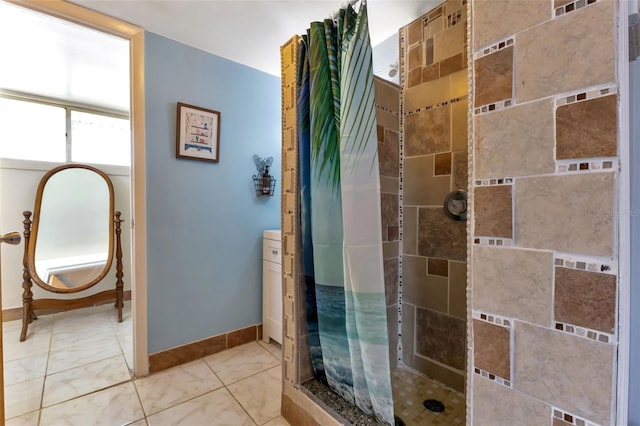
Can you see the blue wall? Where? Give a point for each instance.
(204, 221)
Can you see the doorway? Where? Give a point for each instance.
(135, 39)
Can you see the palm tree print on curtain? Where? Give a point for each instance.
(340, 213)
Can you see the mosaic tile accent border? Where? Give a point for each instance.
(494, 107)
(386, 109)
(585, 264)
(400, 195)
(484, 241)
(493, 182)
(597, 92)
(438, 105)
(570, 7)
(402, 34)
(502, 44)
(492, 318)
(571, 419)
(454, 18)
(573, 166)
(492, 377)
(587, 333)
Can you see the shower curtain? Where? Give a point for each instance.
(340, 213)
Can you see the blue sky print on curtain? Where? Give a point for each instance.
(340, 200)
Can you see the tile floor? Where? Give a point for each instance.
(74, 369)
(411, 389)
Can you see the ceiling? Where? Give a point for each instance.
(61, 60)
(251, 31)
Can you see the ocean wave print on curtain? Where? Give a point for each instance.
(340, 213)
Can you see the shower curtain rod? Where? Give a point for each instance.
(334, 14)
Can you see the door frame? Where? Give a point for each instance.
(92, 19)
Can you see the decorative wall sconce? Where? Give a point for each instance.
(264, 183)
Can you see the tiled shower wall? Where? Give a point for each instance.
(544, 262)
(387, 117)
(434, 121)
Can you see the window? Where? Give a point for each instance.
(100, 139)
(32, 131)
(37, 131)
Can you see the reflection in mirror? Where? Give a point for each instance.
(73, 232)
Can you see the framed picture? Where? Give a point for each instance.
(197, 133)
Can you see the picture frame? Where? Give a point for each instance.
(197, 133)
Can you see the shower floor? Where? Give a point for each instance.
(409, 391)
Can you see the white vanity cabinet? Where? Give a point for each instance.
(272, 286)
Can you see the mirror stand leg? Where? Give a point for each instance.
(119, 273)
(27, 296)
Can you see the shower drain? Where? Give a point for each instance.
(433, 405)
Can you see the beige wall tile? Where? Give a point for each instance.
(460, 178)
(392, 330)
(452, 64)
(441, 337)
(492, 348)
(443, 164)
(408, 332)
(389, 185)
(578, 51)
(410, 230)
(427, 94)
(431, 72)
(459, 125)
(427, 132)
(493, 210)
(513, 283)
(438, 267)
(448, 42)
(420, 289)
(459, 84)
(416, 30)
(587, 299)
(387, 96)
(416, 56)
(389, 212)
(452, 6)
(497, 405)
(391, 281)
(588, 128)
(558, 3)
(568, 371)
(389, 154)
(439, 236)
(421, 187)
(567, 213)
(390, 249)
(524, 131)
(415, 77)
(458, 289)
(388, 120)
(434, 27)
(450, 377)
(428, 52)
(494, 77)
(494, 20)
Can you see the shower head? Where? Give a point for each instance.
(393, 69)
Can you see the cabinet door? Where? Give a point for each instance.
(272, 301)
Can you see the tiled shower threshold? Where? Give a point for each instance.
(410, 389)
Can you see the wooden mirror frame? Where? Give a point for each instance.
(30, 275)
(35, 225)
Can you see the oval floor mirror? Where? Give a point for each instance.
(70, 242)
